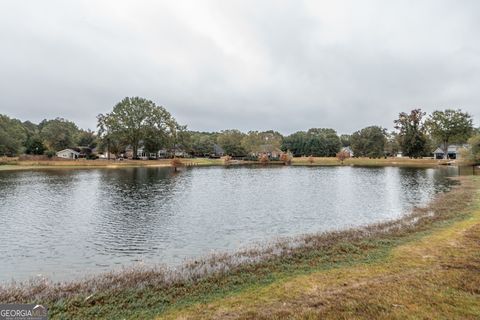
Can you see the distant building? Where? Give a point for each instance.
(348, 150)
(143, 154)
(68, 154)
(270, 150)
(218, 151)
(452, 153)
(177, 152)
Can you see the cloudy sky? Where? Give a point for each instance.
(285, 65)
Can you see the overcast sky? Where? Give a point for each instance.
(284, 65)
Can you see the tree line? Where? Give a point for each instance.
(17, 137)
(137, 123)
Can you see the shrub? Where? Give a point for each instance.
(342, 155)
(50, 153)
(286, 158)
(175, 163)
(226, 159)
(264, 159)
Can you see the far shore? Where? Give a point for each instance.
(9, 164)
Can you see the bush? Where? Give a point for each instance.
(286, 158)
(175, 163)
(264, 159)
(50, 153)
(342, 155)
(226, 159)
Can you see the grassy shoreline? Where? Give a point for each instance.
(433, 274)
(15, 164)
(223, 285)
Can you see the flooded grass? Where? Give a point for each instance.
(148, 292)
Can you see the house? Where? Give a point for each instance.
(347, 150)
(68, 154)
(217, 152)
(452, 153)
(168, 153)
(107, 155)
(270, 150)
(144, 155)
(141, 153)
(84, 151)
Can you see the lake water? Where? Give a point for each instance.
(64, 224)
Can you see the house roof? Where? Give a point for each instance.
(453, 148)
(68, 150)
(217, 149)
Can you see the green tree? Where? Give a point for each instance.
(12, 136)
(202, 143)
(411, 133)
(86, 138)
(295, 143)
(254, 140)
(474, 152)
(450, 126)
(319, 142)
(231, 142)
(134, 120)
(345, 140)
(322, 142)
(392, 146)
(369, 142)
(34, 145)
(58, 134)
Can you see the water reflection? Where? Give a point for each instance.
(65, 223)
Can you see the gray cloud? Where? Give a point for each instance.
(286, 65)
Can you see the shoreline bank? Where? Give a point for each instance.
(12, 165)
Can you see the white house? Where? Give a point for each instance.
(68, 154)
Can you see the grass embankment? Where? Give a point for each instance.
(15, 164)
(424, 265)
(404, 161)
(434, 274)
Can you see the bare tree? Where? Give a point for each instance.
(342, 155)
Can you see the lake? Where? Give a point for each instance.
(65, 224)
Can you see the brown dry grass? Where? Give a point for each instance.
(333, 161)
(16, 164)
